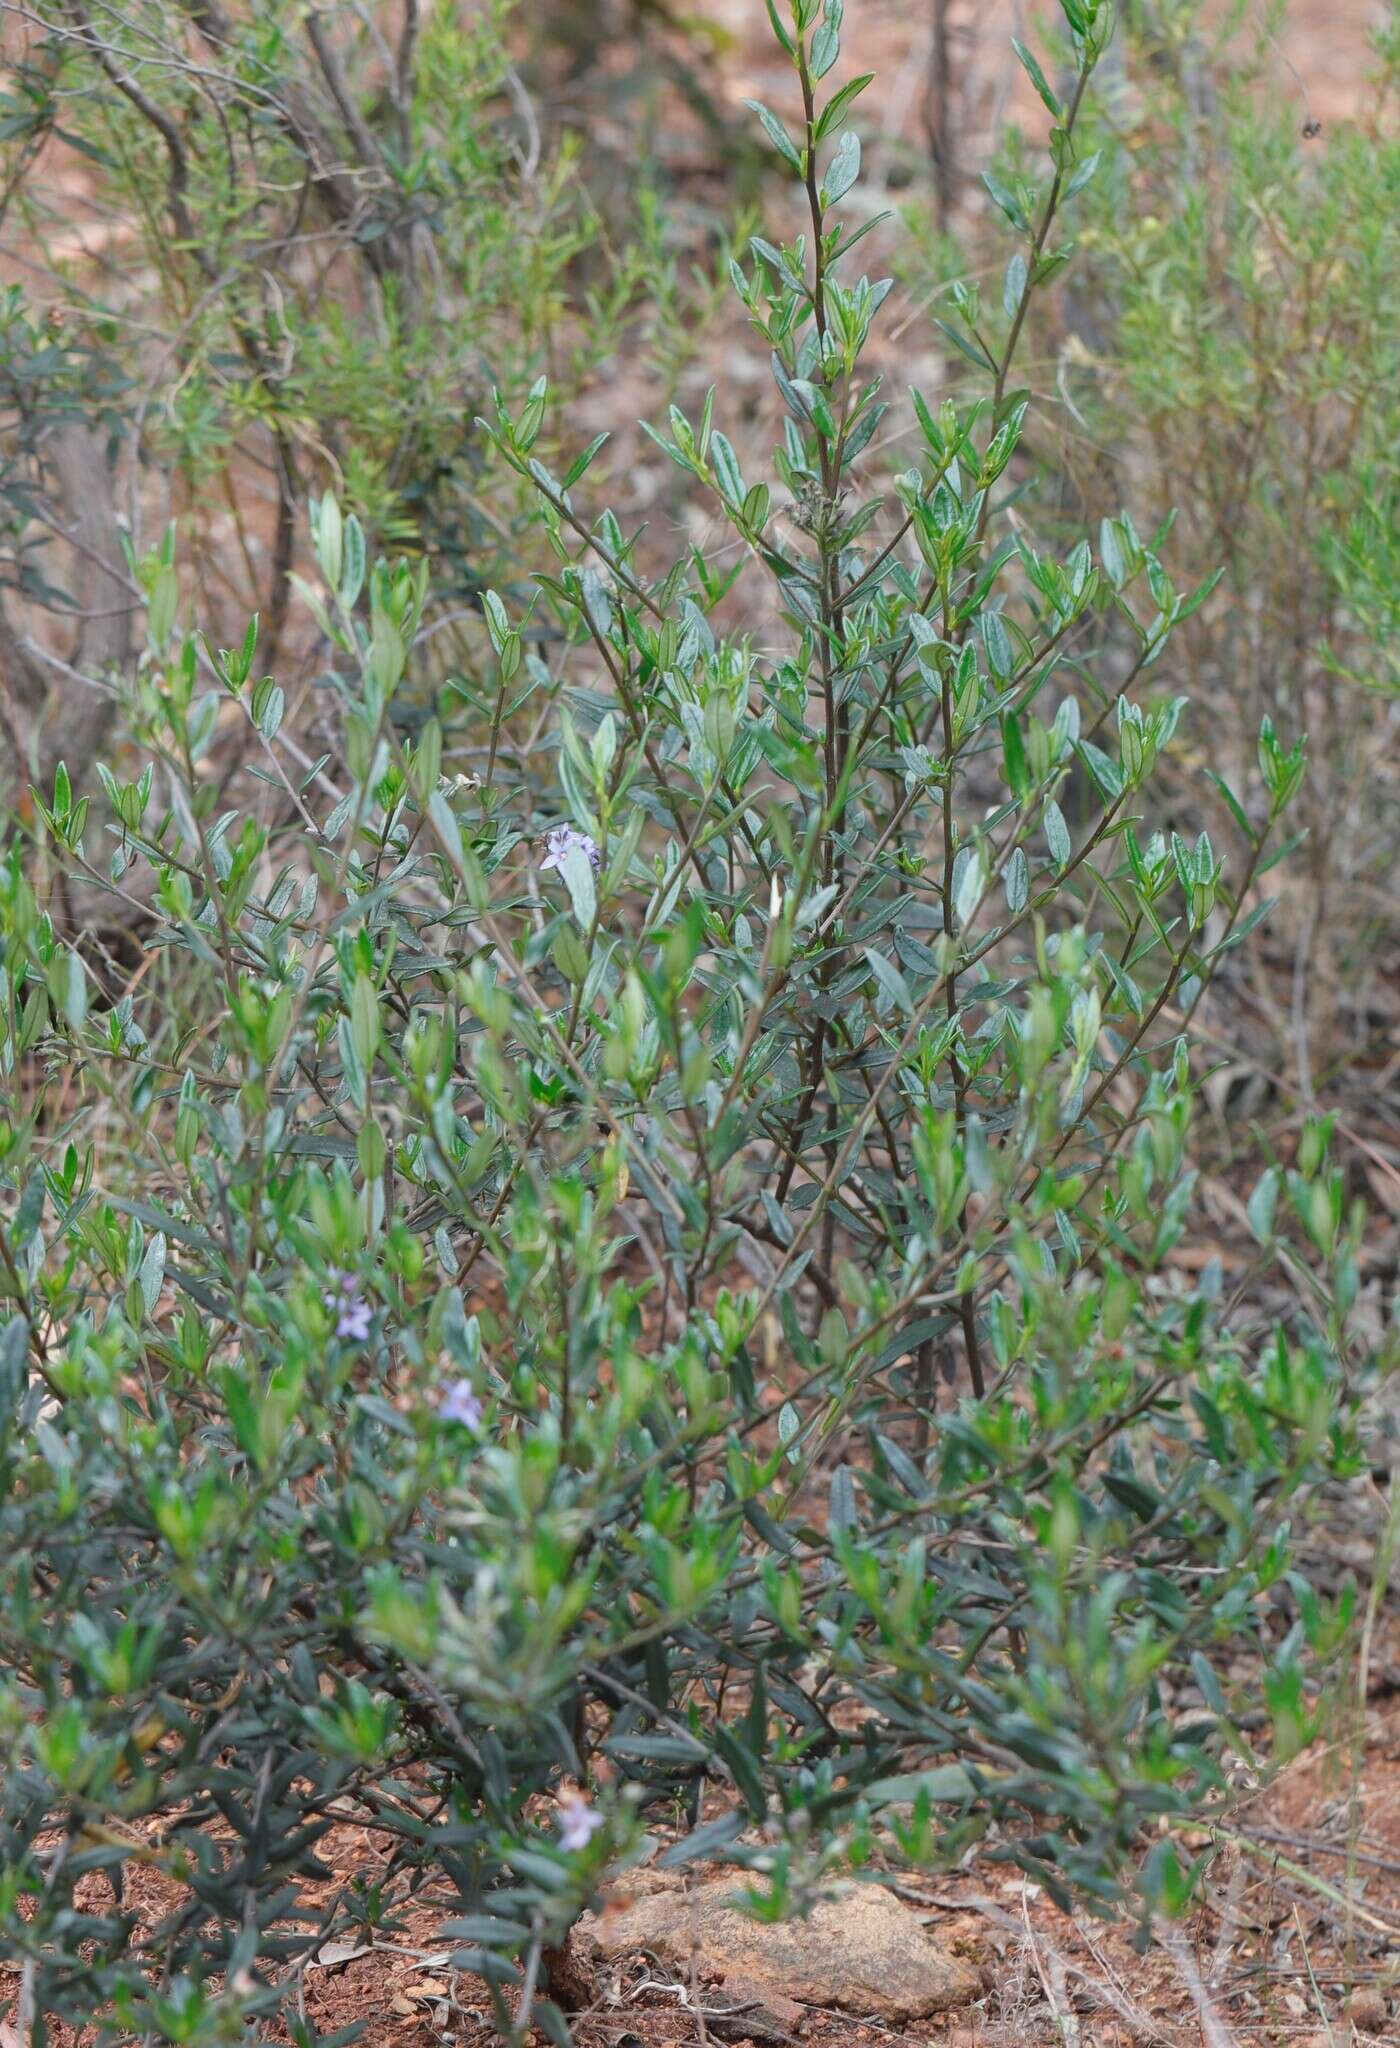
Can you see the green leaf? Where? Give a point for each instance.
(581, 462)
(945, 1785)
(153, 1272)
(1209, 1682)
(777, 135)
(971, 349)
(489, 1930)
(1108, 776)
(352, 573)
(75, 995)
(744, 1770)
(703, 1843)
(996, 642)
(833, 113)
(1130, 1493)
(387, 656)
(969, 888)
(1262, 1204)
(843, 170)
(444, 822)
(1038, 80)
(1084, 173)
(1008, 202)
(160, 615)
(826, 48)
(1014, 285)
(725, 464)
(1111, 553)
(328, 530)
(364, 1020)
(890, 980)
(1057, 835)
(497, 621)
(1234, 806)
(1013, 750)
(270, 712)
(577, 870)
(778, 29)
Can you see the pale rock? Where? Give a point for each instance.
(863, 1952)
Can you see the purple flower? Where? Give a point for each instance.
(578, 1821)
(352, 1316)
(458, 1403)
(562, 839)
(353, 1321)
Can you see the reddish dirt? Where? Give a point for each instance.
(1280, 1952)
(1322, 54)
(1277, 1952)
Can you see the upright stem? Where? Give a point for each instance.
(1052, 206)
(967, 1307)
(814, 197)
(835, 733)
(938, 111)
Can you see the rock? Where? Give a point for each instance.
(1367, 2010)
(752, 2012)
(862, 1952)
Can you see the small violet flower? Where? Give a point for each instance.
(458, 1403)
(562, 839)
(351, 1314)
(578, 1821)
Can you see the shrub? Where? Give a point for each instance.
(630, 1244)
(269, 248)
(1228, 359)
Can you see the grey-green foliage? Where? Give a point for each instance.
(637, 1229)
(262, 247)
(1227, 357)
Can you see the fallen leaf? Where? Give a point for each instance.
(430, 1988)
(331, 1955)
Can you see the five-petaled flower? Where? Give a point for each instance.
(562, 839)
(578, 1821)
(459, 1403)
(352, 1315)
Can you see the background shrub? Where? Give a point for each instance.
(275, 247)
(1225, 357)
